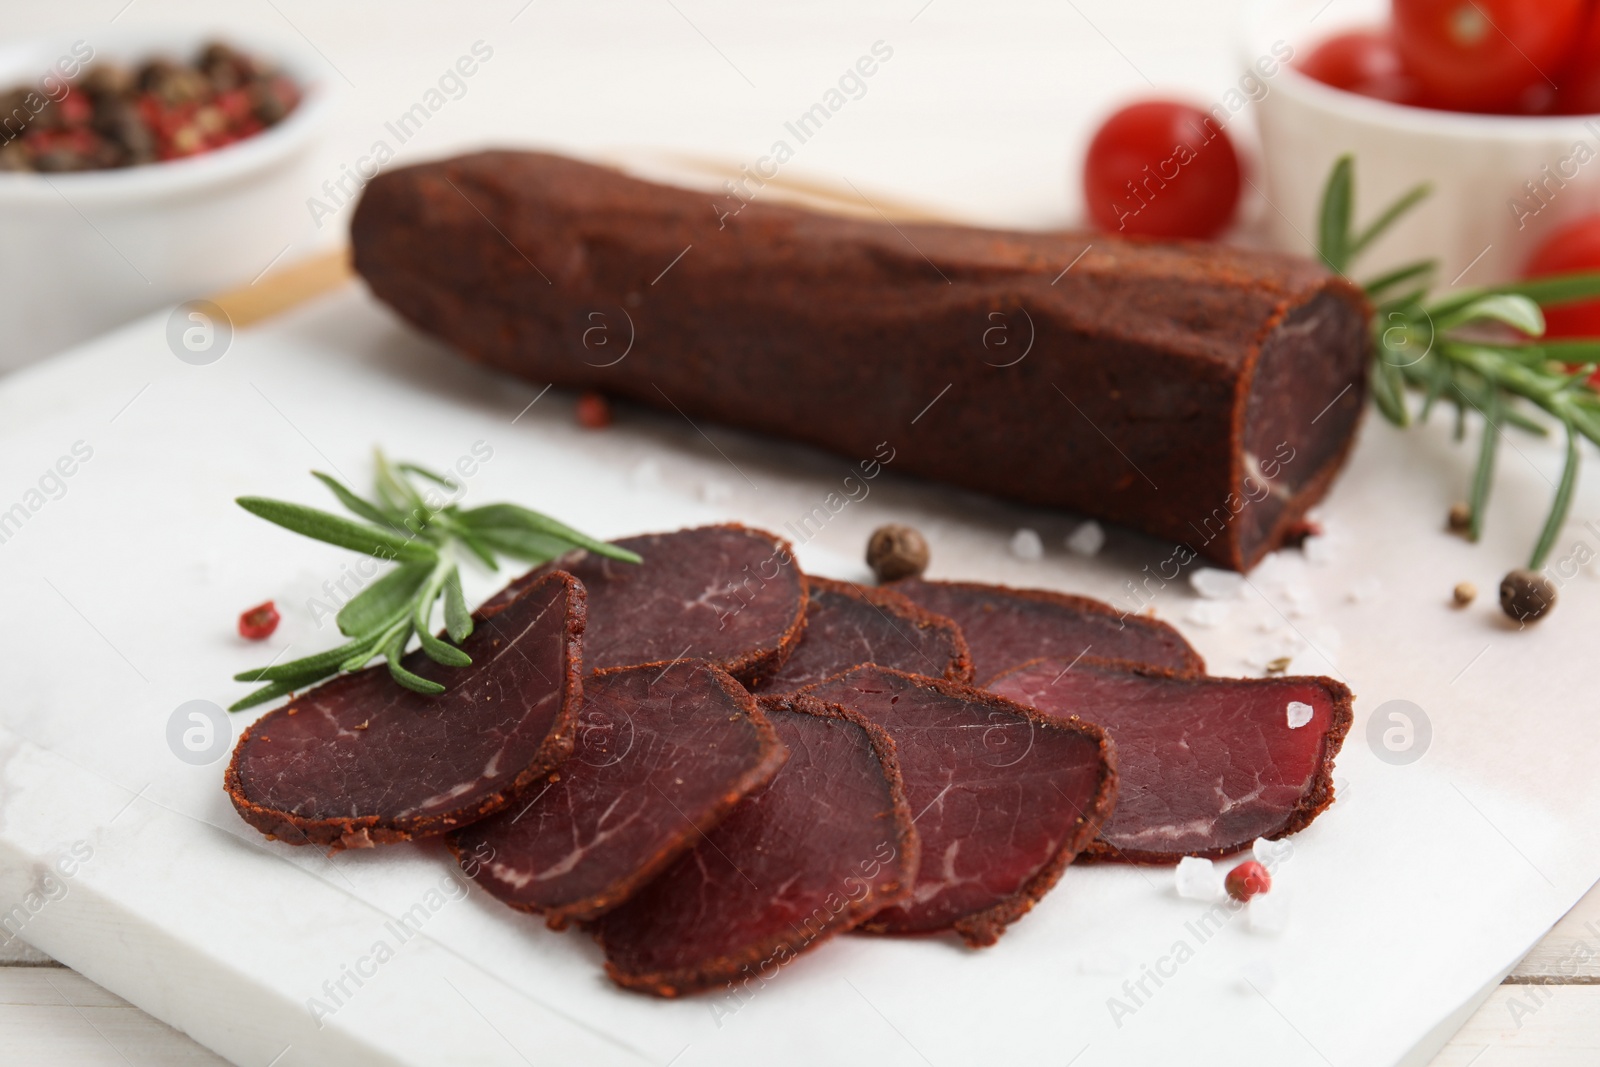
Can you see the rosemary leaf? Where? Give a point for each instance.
(336, 530)
(1484, 474)
(457, 620)
(1561, 505)
(379, 604)
(516, 516)
(356, 504)
(1333, 230)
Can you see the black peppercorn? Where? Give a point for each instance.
(1526, 595)
(896, 551)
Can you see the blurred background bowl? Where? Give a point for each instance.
(85, 251)
(1480, 165)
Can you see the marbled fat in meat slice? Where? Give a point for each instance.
(826, 843)
(361, 760)
(1007, 627)
(1004, 797)
(848, 625)
(728, 594)
(663, 753)
(1207, 764)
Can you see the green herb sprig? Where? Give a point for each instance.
(425, 541)
(1459, 349)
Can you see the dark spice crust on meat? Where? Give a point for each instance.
(908, 849)
(773, 755)
(1314, 802)
(364, 832)
(983, 928)
(1198, 360)
(1194, 664)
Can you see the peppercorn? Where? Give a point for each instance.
(1246, 880)
(1526, 595)
(1460, 518)
(594, 411)
(1464, 593)
(257, 623)
(896, 551)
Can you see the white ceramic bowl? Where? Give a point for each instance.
(1479, 164)
(83, 252)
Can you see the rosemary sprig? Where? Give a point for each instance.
(424, 541)
(1468, 349)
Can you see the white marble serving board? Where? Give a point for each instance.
(1410, 897)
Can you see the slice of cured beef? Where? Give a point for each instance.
(1007, 627)
(826, 843)
(848, 625)
(1207, 764)
(663, 752)
(360, 760)
(728, 594)
(1004, 797)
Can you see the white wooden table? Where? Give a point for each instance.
(1546, 1014)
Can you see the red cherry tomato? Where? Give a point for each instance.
(1488, 55)
(1365, 62)
(257, 623)
(1580, 90)
(1161, 169)
(1574, 247)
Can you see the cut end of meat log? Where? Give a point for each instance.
(1004, 797)
(826, 843)
(1207, 765)
(1007, 627)
(663, 752)
(849, 624)
(361, 761)
(729, 594)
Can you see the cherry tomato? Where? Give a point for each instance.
(1365, 62)
(257, 623)
(1580, 90)
(1161, 169)
(1488, 55)
(1574, 247)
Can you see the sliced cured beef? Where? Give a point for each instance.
(1207, 764)
(828, 842)
(663, 752)
(729, 595)
(360, 760)
(848, 625)
(1007, 627)
(1202, 393)
(1004, 797)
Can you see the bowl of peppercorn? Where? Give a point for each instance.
(139, 170)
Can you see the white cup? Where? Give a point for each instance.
(1482, 222)
(83, 252)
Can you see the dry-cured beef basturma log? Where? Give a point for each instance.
(663, 752)
(729, 594)
(1207, 764)
(822, 846)
(1004, 797)
(848, 625)
(1007, 627)
(360, 760)
(1202, 393)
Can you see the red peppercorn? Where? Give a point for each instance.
(258, 623)
(594, 411)
(1246, 880)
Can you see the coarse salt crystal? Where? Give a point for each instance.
(1214, 584)
(1025, 544)
(1198, 879)
(1271, 853)
(1299, 714)
(1087, 539)
(1207, 613)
